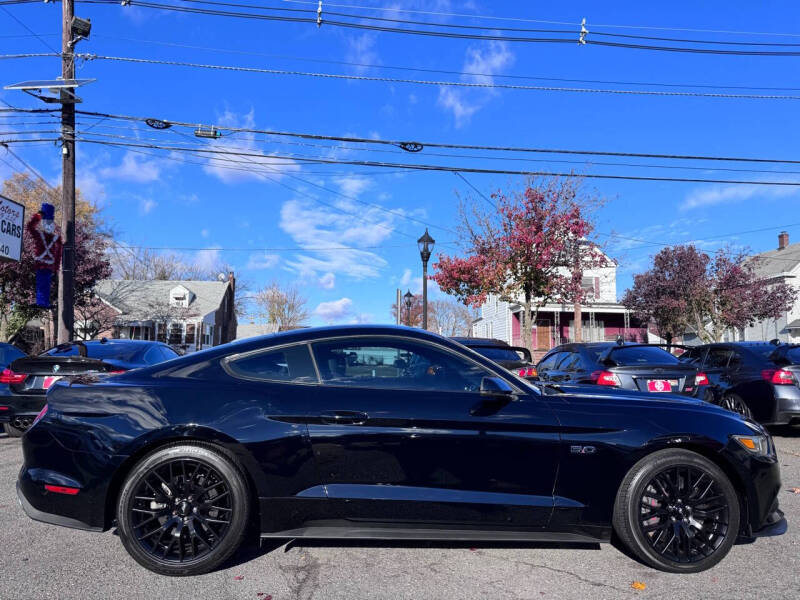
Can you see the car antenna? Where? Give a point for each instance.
(775, 342)
(620, 341)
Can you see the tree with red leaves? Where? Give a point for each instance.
(688, 289)
(533, 249)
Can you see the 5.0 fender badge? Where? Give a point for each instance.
(582, 449)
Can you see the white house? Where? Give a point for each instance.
(779, 265)
(602, 318)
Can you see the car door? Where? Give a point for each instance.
(569, 367)
(546, 365)
(553, 371)
(403, 435)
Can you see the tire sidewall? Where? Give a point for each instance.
(14, 432)
(642, 476)
(235, 533)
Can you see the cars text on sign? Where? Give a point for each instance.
(12, 223)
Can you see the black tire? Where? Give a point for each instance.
(12, 431)
(734, 403)
(647, 506)
(168, 494)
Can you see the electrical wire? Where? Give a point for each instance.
(460, 84)
(484, 147)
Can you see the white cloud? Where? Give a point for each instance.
(486, 61)
(361, 49)
(720, 194)
(262, 260)
(90, 186)
(353, 225)
(133, 168)
(207, 259)
(204, 233)
(146, 205)
(328, 281)
(233, 168)
(352, 185)
(335, 310)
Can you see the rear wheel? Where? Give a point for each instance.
(12, 431)
(734, 403)
(677, 511)
(183, 510)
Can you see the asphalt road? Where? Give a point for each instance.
(43, 561)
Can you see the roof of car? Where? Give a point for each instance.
(475, 341)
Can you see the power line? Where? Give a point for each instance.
(29, 30)
(519, 149)
(443, 34)
(477, 191)
(462, 84)
(444, 71)
(446, 168)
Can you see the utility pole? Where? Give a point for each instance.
(66, 275)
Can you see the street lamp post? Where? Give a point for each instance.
(409, 297)
(425, 244)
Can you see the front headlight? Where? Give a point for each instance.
(759, 445)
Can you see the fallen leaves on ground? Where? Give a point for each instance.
(638, 585)
(264, 596)
(238, 578)
(794, 490)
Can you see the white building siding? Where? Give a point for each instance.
(495, 321)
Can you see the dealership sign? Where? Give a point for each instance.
(12, 222)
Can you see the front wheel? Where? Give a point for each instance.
(183, 510)
(677, 511)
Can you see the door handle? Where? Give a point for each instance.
(344, 417)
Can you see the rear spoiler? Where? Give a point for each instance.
(522, 349)
(607, 354)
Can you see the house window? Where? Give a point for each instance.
(176, 334)
(190, 327)
(162, 332)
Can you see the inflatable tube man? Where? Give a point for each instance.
(47, 257)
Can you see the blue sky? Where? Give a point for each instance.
(159, 202)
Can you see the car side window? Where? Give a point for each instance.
(168, 353)
(549, 361)
(718, 358)
(395, 364)
(285, 364)
(736, 360)
(569, 362)
(153, 356)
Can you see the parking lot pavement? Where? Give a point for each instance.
(43, 561)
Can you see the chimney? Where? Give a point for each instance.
(783, 240)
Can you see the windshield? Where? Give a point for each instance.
(114, 351)
(497, 353)
(642, 355)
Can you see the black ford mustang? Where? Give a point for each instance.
(387, 432)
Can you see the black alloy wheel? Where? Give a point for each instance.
(734, 403)
(183, 510)
(677, 511)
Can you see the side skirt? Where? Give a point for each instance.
(360, 532)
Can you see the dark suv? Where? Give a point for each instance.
(639, 367)
(757, 379)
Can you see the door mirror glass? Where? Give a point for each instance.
(494, 386)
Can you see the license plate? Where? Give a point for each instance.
(50, 380)
(659, 385)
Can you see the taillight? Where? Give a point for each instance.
(41, 414)
(527, 372)
(701, 379)
(778, 377)
(117, 372)
(605, 378)
(61, 489)
(8, 376)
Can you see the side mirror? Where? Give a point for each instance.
(494, 386)
(495, 394)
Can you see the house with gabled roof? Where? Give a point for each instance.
(779, 265)
(187, 315)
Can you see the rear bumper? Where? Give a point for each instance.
(20, 405)
(787, 404)
(51, 518)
